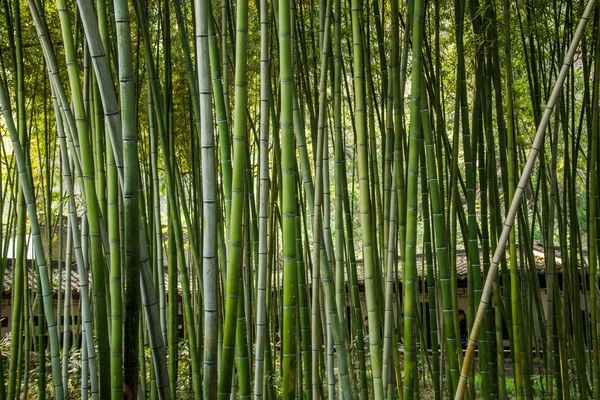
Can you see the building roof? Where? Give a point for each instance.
(7, 282)
(461, 271)
(462, 265)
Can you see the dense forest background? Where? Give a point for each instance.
(293, 199)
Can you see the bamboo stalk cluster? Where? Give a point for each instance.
(271, 199)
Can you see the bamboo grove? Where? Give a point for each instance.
(294, 199)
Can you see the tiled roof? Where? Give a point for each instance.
(461, 270)
(31, 277)
(462, 263)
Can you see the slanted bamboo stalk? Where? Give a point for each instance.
(515, 203)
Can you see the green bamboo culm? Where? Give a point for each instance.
(410, 266)
(238, 198)
(209, 198)
(263, 214)
(131, 177)
(289, 206)
(592, 227)
(116, 364)
(365, 202)
(19, 264)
